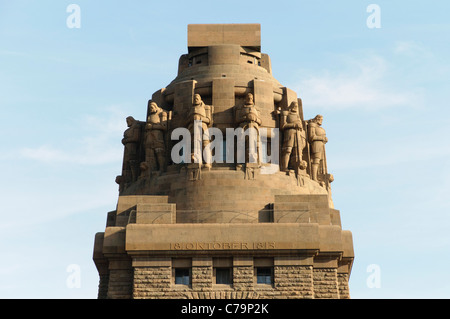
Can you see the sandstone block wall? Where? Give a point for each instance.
(325, 283)
(120, 284)
(289, 282)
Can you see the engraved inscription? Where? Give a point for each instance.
(222, 245)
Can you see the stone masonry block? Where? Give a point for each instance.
(156, 213)
(291, 213)
(201, 35)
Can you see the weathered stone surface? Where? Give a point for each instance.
(203, 35)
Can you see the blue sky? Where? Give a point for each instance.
(383, 92)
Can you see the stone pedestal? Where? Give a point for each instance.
(310, 258)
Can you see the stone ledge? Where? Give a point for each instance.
(223, 237)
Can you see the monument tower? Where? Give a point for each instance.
(220, 214)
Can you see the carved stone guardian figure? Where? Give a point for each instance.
(200, 113)
(317, 139)
(294, 140)
(155, 149)
(247, 117)
(131, 138)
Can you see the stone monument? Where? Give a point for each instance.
(205, 208)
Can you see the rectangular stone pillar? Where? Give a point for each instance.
(264, 102)
(155, 213)
(157, 97)
(184, 93)
(120, 279)
(325, 283)
(103, 286)
(294, 212)
(325, 277)
(294, 277)
(126, 204)
(102, 265)
(294, 281)
(289, 96)
(152, 276)
(202, 274)
(265, 62)
(317, 205)
(246, 35)
(223, 100)
(243, 273)
(344, 291)
(343, 276)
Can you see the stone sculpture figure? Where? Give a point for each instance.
(119, 181)
(247, 117)
(202, 113)
(155, 128)
(294, 140)
(317, 139)
(131, 139)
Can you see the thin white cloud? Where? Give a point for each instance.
(362, 83)
(91, 153)
(98, 144)
(396, 147)
(48, 202)
(412, 49)
(399, 150)
(14, 53)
